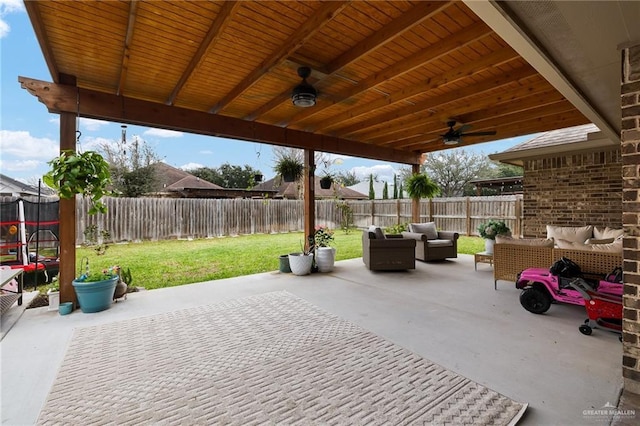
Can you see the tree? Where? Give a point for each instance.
(131, 168)
(400, 192)
(395, 187)
(347, 178)
(228, 176)
(452, 170)
(372, 192)
(385, 191)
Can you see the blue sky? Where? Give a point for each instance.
(29, 135)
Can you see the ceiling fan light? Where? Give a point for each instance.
(304, 95)
(451, 140)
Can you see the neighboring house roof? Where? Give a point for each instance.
(168, 175)
(192, 182)
(290, 190)
(15, 188)
(577, 138)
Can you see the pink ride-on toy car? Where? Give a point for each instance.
(542, 287)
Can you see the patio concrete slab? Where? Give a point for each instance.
(444, 311)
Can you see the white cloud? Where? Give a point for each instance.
(8, 6)
(162, 133)
(20, 165)
(191, 166)
(90, 143)
(92, 124)
(22, 145)
(382, 171)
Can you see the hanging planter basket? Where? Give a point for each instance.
(325, 182)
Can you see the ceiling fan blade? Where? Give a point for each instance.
(487, 133)
(460, 130)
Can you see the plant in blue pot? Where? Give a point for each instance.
(95, 289)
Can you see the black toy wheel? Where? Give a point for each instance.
(585, 329)
(535, 300)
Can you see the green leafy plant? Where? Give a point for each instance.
(418, 185)
(95, 239)
(323, 236)
(346, 213)
(84, 173)
(490, 229)
(290, 168)
(396, 229)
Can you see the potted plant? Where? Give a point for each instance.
(301, 262)
(85, 173)
(325, 254)
(326, 180)
(290, 168)
(95, 290)
(489, 230)
(418, 185)
(53, 293)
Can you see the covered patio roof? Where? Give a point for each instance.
(389, 74)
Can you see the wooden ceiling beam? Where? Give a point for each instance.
(541, 124)
(488, 61)
(456, 41)
(60, 98)
(220, 23)
(421, 12)
(33, 10)
(126, 52)
(437, 102)
(436, 120)
(325, 14)
(502, 125)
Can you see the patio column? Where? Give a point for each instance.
(309, 194)
(415, 202)
(67, 211)
(630, 137)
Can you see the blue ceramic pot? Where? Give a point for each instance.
(95, 296)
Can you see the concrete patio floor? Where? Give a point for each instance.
(443, 311)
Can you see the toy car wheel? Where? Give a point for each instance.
(535, 300)
(585, 329)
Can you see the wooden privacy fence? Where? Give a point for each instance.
(139, 219)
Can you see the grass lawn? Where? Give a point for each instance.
(170, 263)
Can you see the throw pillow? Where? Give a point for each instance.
(378, 232)
(578, 234)
(604, 233)
(614, 247)
(601, 241)
(429, 229)
(537, 242)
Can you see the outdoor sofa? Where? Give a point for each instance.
(598, 251)
(432, 244)
(388, 252)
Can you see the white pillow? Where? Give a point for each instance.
(614, 247)
(429, 229)
(604, 233)
(537, 242)
(599, 241)
(578, 234)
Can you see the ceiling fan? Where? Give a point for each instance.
(453, 137)
(304, 94)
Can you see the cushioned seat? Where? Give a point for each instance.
(389, 252)
(432, 244)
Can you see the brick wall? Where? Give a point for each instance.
(573, 189)
(630, 92)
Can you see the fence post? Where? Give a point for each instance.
(468, 216)
(430, 210)
(518, 214)
(373, 212)
(397, 212)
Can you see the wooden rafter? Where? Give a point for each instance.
(126, 52)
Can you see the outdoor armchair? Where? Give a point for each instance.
(432, 244)
(389, 252)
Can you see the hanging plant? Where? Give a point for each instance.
(419, 185)
(289, 168)
(84, 173)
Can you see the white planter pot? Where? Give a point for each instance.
(325, 258)
(488, 245)
(54, 300)
(300, 264)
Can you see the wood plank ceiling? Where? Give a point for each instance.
(390, 74)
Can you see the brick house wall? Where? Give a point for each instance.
(572, 189)
(630, 93)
